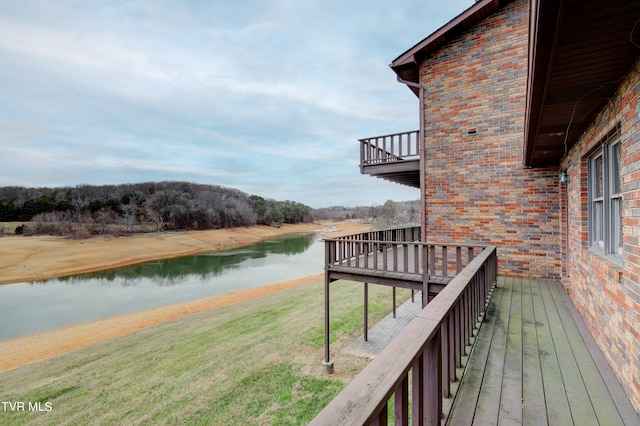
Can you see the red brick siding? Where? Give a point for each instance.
(607, 295)
(477, 189)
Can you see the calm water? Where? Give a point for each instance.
(30, 308)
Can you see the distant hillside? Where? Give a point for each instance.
(88, 209)
(390, 214)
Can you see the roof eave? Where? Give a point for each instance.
(407, 65)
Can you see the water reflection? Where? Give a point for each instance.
(30, 308)
(205, 266)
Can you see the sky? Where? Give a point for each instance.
(266, 96)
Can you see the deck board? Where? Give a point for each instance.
(535, 363)
(533, 406)
(582, 411)
(488, 404)
(618, 396)
(600, 398)
(555, 395)
(511, 401)
(476, 372)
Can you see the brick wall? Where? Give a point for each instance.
(477, 189)
(607, 294)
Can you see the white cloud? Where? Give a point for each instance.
(265, 95)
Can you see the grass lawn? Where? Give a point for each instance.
(258, 362)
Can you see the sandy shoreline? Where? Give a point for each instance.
(35, 258)
(42, 257)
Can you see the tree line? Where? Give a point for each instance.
(389, 215)
(89, 209)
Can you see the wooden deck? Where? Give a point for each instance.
(534, 362)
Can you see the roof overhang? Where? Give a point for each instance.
(579, 52)
(407, 65)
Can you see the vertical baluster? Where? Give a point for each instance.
(467, 320)
(483, 289)
(384, 149)
(382, 418)
(376, 247)
(395, 257)
(405, 252)
(480, 292)
(446, 384)
(425, 276)
(458, 259)
(457, 329)
(392, 148)
(414, 144)
(472, 306)
(451, 345)
(328, 259)
(385, 257)
(367, 250)
(432, 382)
(445, 271)
(401, 403)
(432, 260)
(417, 390)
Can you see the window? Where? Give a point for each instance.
(605, 198)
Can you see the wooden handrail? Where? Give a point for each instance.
(424, 356)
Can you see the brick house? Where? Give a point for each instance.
(529, 141)
(531, 129)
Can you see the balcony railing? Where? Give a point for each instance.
(394, 157)
(389, 148)
(395, 257)
(428, 351)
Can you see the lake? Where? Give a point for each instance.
(35, 307)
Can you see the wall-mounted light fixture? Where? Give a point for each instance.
(564, 177)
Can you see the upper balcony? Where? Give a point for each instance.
(394, 157)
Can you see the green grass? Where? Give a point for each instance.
(259, 362)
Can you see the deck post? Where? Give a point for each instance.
(366, 312)
(394, 301)
(327, 364)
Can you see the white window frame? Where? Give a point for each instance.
(605, 198)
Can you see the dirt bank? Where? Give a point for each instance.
(41, 257)
(32, 258)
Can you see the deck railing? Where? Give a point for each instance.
(389, 148)
(400, 251)
(424, 356)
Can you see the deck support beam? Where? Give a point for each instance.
(366, 312)
(327, 364)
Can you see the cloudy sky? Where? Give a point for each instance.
(266, 96)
